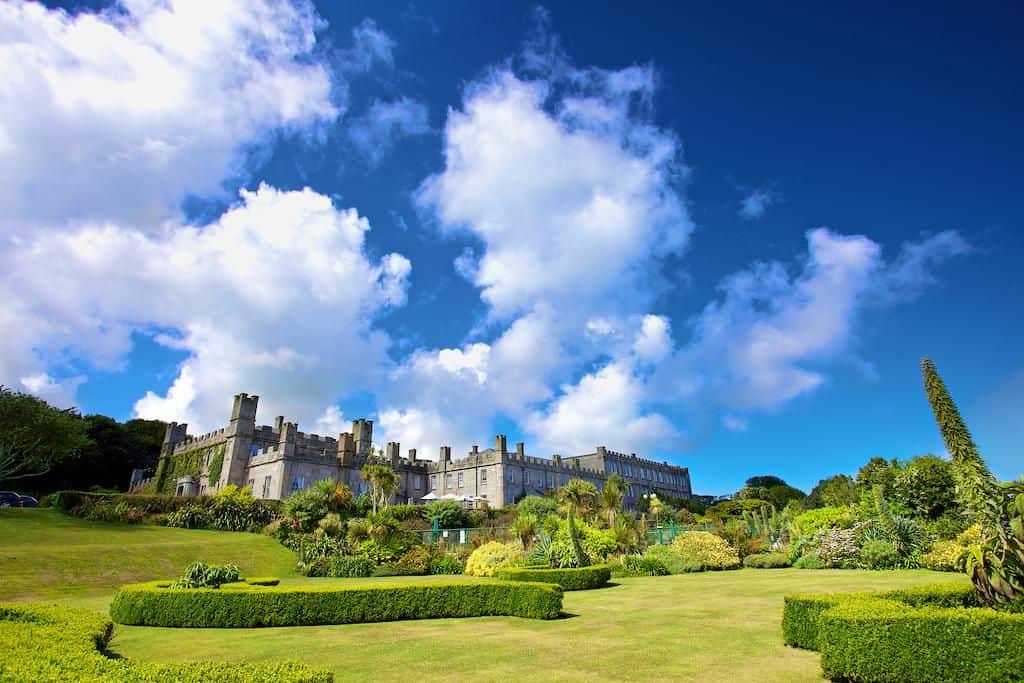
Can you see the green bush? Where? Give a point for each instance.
(147, 604)
(446, 564)
(573, 579)
(944, 556)
(926, 633)
(767, 561)
(202, 575)
(263, 580)
(809, 562)
(707, 550)
(349, 566)
(641, 565)
(879, 554)
(492, 555)
(190, 517)
(415, 562)
(672, 560)
(51, 643)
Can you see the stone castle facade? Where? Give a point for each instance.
(277, 460)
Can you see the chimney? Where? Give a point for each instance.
(412, 455)
(446, 454)
(278, 423)
(476, 449)
(500, 442)
(521, 450)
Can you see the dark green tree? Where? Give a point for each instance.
(839, 490)
(35, 436)
(925, 487)
(996, 566)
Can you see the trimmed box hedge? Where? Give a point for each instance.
(151, 604)
(51, 643)
(570, 579)
(928, 633)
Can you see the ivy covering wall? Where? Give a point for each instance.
(188, 463)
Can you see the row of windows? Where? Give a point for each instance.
(627, 470)
(299, 482)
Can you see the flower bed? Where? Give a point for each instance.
(930, 633)
(155, 604)
(51, 643)
(570, 579)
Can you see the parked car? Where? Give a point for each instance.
(9, 499)
(28, 502)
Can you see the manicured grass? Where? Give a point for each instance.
(46, 555)
(716, 626)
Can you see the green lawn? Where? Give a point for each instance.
(702, 627)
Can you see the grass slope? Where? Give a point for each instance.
(718, 626)
(46, 555)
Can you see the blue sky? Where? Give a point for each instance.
(720, 236)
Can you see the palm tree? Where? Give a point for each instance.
(525, 527)
(611, 498)
(579, 497)
(383, 482)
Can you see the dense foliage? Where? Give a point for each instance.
(492, 556)
(573, 579)
(921, 634)
(149, 604)
(706, 550)
(35, 437)
(51, 643)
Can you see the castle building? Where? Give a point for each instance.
(277, 460)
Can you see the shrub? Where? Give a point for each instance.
(149, 605)
(836, 548)
(809, 562)
(202, 575)
(809, 522)
(331, 525)
(945, 556)
(561, 553)
(51, 643)
(879, 554)
(644, 566)
(446, 564)
(928, 633)
(575, 579)
(349, 566)
(190, 517)
(538, 506)
(415, 562)
(491, 556)
(448, 513)
(767, 561)
(707, 550)
(307, 507)
(263, 580)
(672, 560)
(598, 543)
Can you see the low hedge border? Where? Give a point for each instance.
(570, 579)
(920, 634)
(51, 643)
(151, 604)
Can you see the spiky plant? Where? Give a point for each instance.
(579, 497)
(996, 565)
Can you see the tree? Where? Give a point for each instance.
(538, 506)
(35, 436)
(382, 481)
(996, 566)
(525, 528)
(764, 481)
(925, 486)
(839, 490)
(448, 514)
(579, 497)
(611, 498)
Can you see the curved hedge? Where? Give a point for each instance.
(51, 643)
(570, 579)
(930, 633)
(152, 604)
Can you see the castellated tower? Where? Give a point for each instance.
(239, 435)
(175, 434)
(362, 432)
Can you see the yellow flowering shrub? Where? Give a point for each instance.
(950, 556)
(492, 555)
(707, 550)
